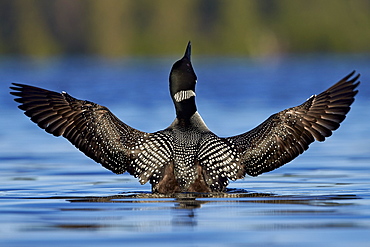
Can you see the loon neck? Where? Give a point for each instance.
(195, 121)
(185, 109)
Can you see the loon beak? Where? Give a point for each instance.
(188, 51)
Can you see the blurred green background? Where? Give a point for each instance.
(153, 27)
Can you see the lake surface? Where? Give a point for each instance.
(52, 195)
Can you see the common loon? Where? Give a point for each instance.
(187, 156)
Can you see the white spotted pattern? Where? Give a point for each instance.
(220, 160)
(153, 155)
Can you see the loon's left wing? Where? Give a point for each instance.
(95, 131)
(287, 134)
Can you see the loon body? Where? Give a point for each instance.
(187, 156)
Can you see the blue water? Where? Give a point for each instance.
(52, 195)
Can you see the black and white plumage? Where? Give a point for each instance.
(187, 156)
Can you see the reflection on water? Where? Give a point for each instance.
(92, 213)
(52, 195)
(143, 218)
(191, 200)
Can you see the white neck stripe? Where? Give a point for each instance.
(183, 95)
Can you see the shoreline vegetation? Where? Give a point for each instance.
(115, 28)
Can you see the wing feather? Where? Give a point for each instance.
(287, 134)
(95, 131)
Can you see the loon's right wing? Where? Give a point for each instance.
(95, 131)
(287, 134)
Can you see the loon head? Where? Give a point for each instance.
(182, 85)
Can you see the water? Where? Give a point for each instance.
(51, 194)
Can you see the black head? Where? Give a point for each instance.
(182, 85)
(182, 76)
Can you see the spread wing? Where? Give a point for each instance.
(95, 131)
(287, 134)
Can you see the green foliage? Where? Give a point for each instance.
(141, 27)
